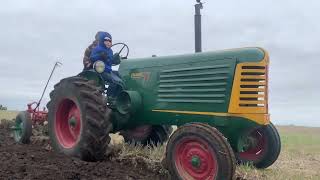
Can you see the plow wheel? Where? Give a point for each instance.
(79, 119)
(22, 129)
(263, 147)
(199, 152)
(147, 134)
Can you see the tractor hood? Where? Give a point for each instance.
(241, 55)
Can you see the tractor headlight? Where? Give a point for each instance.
(99, 66)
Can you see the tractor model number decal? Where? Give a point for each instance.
(141, 75)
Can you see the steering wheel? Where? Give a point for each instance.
(123, 46)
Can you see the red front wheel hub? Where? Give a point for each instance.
(68, 123)
(194, 159)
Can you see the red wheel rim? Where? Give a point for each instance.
(68, 123)
(204, 167)
(256, 152)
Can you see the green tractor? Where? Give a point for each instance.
(218, 100)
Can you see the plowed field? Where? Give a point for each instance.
(38, 161)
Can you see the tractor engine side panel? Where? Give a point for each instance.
(203, 86)
(200, 86)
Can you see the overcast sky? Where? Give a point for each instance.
(34, 34)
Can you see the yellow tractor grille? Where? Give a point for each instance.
(250, 88)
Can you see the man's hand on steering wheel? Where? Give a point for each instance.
(116, 58)
(116, 55)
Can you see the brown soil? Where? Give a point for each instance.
(38, 161)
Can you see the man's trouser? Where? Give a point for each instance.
(115, 83)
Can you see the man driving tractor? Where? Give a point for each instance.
(100, 50)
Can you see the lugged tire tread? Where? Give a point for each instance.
(97, 121)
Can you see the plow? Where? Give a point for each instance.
(33, 115)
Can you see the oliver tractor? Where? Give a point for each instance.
(218, 100)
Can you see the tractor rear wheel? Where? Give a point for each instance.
(147, 134)
(78, 119)
(199, 151)
(265, 149)
(22, 129)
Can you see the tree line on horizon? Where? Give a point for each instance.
(4, 108)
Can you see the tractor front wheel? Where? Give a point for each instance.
(79, 119)
(199, 151)
(263, 149)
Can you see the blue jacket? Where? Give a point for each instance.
(101, 48)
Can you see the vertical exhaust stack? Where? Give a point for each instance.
(197, 26)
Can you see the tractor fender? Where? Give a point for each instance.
(93, 75)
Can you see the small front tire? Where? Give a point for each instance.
(199, 151)
(267, 148)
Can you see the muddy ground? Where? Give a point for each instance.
(38, 161)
